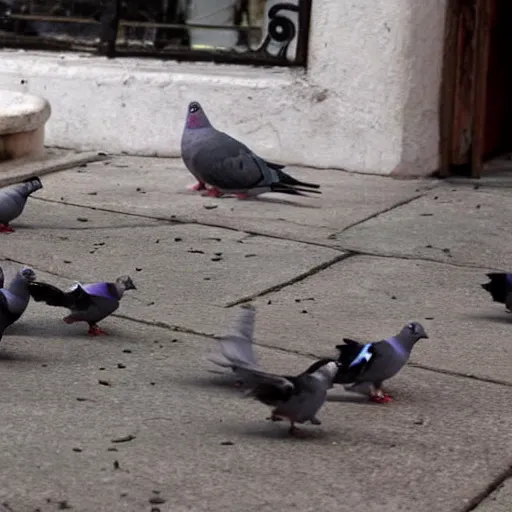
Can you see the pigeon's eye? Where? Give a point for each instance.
(412, 328)
(194, 107)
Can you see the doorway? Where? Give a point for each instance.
(476, 96)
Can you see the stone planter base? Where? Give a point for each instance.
(22, 122)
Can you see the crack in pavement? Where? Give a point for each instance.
(476, 501)
(333, 236)
(358, 252)
(311, 272)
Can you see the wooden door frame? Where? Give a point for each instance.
(479, 87)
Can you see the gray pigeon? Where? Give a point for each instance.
(13, 200)
(88, 303)
(15, 298)
(228, 166)
(367, 366)
(296, 399)
(236, 348)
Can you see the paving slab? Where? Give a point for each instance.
(499, 501)
(370, 298)
(14, 171)
(198, 445)
(158, 187)
(177, 268)
(453, 224)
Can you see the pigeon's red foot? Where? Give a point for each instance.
(94, 330)
(4, 228)
(212, 192)
(197, 186)
(242, 196)
(380, 398)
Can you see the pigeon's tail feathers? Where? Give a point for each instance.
(287, 189)
(53, 296)
(499, 286)
(273, 165)
(44, 292)
(286, 179)
(32, 184)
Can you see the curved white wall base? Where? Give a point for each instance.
(22, 124)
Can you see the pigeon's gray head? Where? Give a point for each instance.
(126, 282)
(28, 274)
(328, 370)
(196, 118)
(413, 332)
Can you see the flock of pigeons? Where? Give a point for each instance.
(223, 165)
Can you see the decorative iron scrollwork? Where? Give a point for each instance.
(281, 30)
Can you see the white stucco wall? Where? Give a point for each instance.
(368, 102)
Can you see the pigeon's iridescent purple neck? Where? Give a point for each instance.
(509, 279)
(197, 120)
(399, 348)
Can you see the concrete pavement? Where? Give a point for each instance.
(369, 255)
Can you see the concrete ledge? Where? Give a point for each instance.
(22, 121)
(54, 160)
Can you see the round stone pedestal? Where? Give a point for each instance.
(22, 120)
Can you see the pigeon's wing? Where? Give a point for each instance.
(355, 360)
(104, 290)
(384, 363)
(77, 298)
(270, 388)
(237, 348)
(227, 164)
(5, 314)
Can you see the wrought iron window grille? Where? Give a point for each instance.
(164, 29)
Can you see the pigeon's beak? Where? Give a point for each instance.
(426, 336)
(485, 286)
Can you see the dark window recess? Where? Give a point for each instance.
(265, 32)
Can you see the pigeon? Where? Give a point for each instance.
(89, 303)
(500, 288)
(236, 347)
(366, 366)
(13, 199)
(297, 399)
(228, 166)
(15, 298)
(2, 277)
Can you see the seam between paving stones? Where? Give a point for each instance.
(357, 252)
(333, 236)
(475, 502)
(311, 272)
